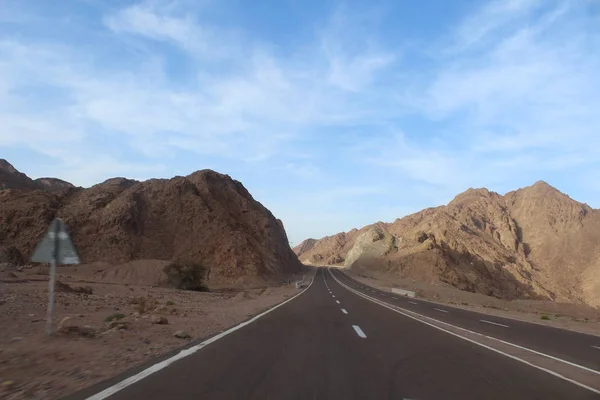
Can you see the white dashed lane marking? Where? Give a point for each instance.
(440, 310)
(494, 323)
(344, 311)
(412, 302)
(359, 331)
(337, 301)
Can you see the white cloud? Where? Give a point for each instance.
(489, 19)
(156, 20)
(252, 110)
(512, 91)
(526, 101)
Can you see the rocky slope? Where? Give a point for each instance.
(535, 242)
(10, 178)
(205, 217)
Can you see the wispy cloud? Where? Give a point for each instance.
(356, 121)
(492, 18)
(161, 21)
(525, 101)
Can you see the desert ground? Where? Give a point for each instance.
(106, 323)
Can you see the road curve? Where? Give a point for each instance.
(330, 343)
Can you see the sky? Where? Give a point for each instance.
(333, 114)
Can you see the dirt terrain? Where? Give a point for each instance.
(535, 243)
(105, 328)
(205, 217)
(116, 310)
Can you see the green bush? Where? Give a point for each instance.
(545, 317)
(186, 276)
(169, 303)
(114, 317)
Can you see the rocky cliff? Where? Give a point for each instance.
(11, 178)
(205, 217)
(535, 242)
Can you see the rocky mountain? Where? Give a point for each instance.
(10, 178)
(535, 242)
(52, 184)
(205, 217)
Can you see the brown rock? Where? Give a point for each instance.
(63, 287)
(121, 220)
(158, 320)
(12, 256)
(118, 325)
(182, 335)
(10, 178)
(83, 289)
(76, 330)
(534, 243)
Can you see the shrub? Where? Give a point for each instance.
(545, 317)
(12, 255)
(170, 303)
(114, 317)
(186, 276)
(143, 305)
(66, 288)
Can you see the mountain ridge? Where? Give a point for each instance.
(11, 178)
(534, 242)
(204, 217)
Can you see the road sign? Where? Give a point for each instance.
(56, 240)
(55, 248)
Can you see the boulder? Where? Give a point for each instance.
(76, 330)
(159, 320)
(182, 335)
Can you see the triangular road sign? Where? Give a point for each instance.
(57, 240)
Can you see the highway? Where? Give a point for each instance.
(567, 345)
(329, 342)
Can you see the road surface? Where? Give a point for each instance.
(567, 345)
(330, 343)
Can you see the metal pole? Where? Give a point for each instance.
(53, 263)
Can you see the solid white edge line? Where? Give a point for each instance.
(344, 311)
(494, 323)
(184, 353)
(493, 338)
(359, 331)
(440, 310)
(481, 344)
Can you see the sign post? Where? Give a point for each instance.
(56, 248)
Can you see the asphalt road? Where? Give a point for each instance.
(330, 343)
(572, 346)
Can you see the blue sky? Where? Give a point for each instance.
(333, 114)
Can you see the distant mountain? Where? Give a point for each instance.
(535, 242)
(204, 217)
(305, 246)
(10, 178)
(52, 184)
